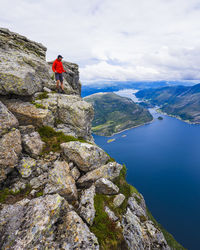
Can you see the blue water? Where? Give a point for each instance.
(163, 162)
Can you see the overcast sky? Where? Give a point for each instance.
(114, 39)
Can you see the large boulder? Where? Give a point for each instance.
(78, 234)
(109, 171)
(23, 69)
(86, 205)
(31, 224)
(10, 149)
(104, 186)
(61, 181)
(7, 119)
(138, 231)
(28, 114)
(86, 156)
(32, 144)
(72, 115)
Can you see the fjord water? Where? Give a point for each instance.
(163, 163)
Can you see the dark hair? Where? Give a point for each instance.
(59, 56)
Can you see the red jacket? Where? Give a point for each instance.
(58, 66)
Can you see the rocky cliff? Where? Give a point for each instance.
(58, 189)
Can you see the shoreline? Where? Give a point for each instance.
(177, 117)
(127, 129)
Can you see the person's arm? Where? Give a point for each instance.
(54, 67)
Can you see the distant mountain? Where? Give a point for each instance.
(119, 85)
(114, 113)
(181, 101)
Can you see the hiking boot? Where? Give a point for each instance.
(62, 91)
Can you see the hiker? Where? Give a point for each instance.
(57, 67)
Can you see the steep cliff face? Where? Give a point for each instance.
(59, 191)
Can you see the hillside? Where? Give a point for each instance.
(113, 113)
(58, 189)
(181, 101)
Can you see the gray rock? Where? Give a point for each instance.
(137, 209)
(86, 205)
(77, 114)
(26, 129)
(7, 119)
(111, 214)
(10, 149)
(23, 69)
(77, 234)
(26, 166)
(39, 181)
(139, 233)
(32, 144)
(75, 173)
(47, 90)
(109, 171)
(86, 156)
(104, 186)
(118, 200)
(18, 186)
(61, 181)
(32, 224)
(28, 114)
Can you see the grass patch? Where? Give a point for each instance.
(107, 232)
(38, 194)
(9, 196)
(43, 95)
(53, 139)
(38, 105)
(169, 238)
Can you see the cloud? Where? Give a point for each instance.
(114, 40)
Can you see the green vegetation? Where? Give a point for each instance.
(58, 121)
(160, 118)
(9, 196)
(53, 139)
(38, 105)
(43, 95)
(169, 238)
(114, 113)
(109, 235)
(179, 101)
(39, 193)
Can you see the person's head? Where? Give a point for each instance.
(59, 57)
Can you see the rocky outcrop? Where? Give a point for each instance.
(61, 181)
(86, 156)
(104, 186)
(109, 171)
(7, 119)
(61, 199)
(86, 205)
(139, 232)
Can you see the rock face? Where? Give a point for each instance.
(86, 156)
(61, 181)
(104, 186)
(109, 171)
(86, 205)
(23, 70)
(28, 114)
(10, 149)
(139, 232)
(7, 119)
(33, 144)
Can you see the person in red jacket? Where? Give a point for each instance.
(57, 67)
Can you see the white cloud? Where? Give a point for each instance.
(114, 39)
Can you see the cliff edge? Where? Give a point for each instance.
(58, 189)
